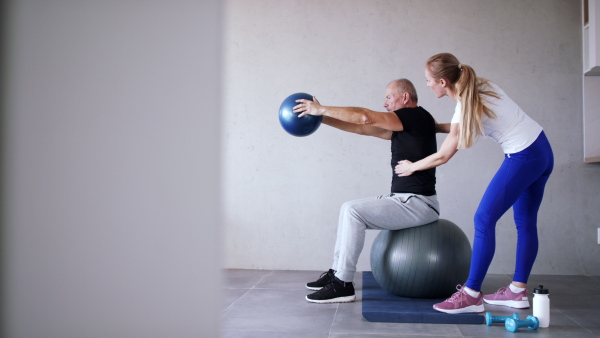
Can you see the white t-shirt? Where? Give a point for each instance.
(512, 128)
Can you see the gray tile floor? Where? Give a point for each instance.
(265, 304)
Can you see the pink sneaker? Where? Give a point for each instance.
(504, 296)
(460, 302)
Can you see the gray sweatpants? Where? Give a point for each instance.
(386, 212)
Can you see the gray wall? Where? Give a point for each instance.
(282, 194)
(110, 213)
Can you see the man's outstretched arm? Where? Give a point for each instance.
(353, 119)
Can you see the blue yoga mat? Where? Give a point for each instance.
(379, 305)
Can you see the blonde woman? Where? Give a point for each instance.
(482, 108)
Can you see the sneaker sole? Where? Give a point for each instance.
(517, 304)
(346, 299)
(468, 309)
(313, 288)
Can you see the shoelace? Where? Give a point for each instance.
(502, 290)
(457, 297)
(326, 273)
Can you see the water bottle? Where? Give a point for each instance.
(541, 305)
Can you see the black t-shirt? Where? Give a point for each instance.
(415, 142)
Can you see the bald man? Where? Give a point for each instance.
(412, 201)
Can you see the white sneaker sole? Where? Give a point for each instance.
(468, 309)
(517, 304)
(346, 299)
(313, 288)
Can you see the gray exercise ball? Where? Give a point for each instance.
(427, 261)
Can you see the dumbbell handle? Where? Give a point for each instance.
(489, 318)
(531, 322)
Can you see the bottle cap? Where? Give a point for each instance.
(541, 291)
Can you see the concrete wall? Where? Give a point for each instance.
(282, 194)
(110, 153)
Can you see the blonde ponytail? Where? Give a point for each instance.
(470, 90)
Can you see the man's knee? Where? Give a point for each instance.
(351, 209)
(345, 207)
(351, 205)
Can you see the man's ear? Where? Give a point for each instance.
(405, 97)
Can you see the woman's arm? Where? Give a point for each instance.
(447, 150)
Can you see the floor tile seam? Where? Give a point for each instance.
(263, 278)
(573, 320)
(235, 301)
(337, 308)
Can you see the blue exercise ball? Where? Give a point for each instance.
(426, 261)
(294, 125)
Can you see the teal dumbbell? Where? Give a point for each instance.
(513, 325)
(489, 318)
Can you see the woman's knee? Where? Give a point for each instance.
(483, 222)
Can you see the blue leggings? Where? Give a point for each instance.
(519, 183)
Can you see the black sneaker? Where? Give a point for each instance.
(325, 278)
(336, 291)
